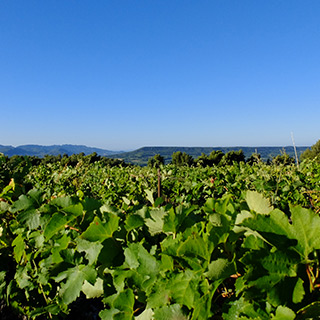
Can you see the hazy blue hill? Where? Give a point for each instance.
(5, 149)
(40, 151)
(142, 155)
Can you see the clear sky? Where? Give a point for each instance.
(122, 74)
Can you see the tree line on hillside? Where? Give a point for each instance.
(216, 158)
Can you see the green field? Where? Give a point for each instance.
(95, 240)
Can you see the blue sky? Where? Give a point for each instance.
(123, 74)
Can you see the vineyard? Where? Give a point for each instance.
(96, 241)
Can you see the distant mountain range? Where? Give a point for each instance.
(41, 151)
(141, 156)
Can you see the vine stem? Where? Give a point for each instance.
(309, 272)
(41, 288)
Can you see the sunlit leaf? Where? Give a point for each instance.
(284, 313)
(257, 202)
(93, 291)
(155, 223)
(18, 247)
(92, 249)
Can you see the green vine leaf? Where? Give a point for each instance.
(298, 292)
(172, 312)
(99, 231)
(257, 202)
(55, 224)
(18, 248)
(93, 291)
(284, 313)
(70, 290)
(92, 249)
